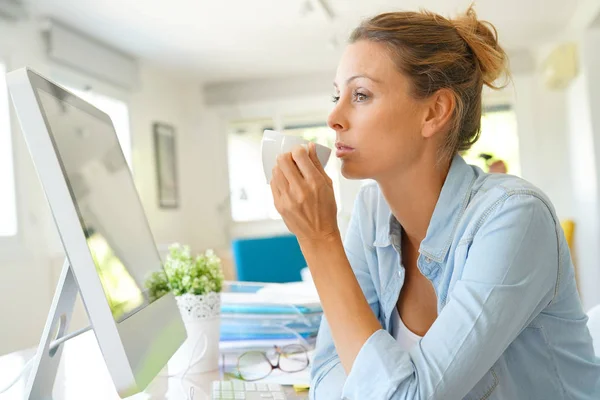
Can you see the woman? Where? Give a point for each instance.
(451, 283)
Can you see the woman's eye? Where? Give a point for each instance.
(335, 98)
(360, 97)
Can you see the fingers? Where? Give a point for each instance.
(296, 172)
(306, 164)
(312, 152)
(315, 159)
(276, 197)
(290, 170)
(274, 189)
(279, 184)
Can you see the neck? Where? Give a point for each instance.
(413, 195)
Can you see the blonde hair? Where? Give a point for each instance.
(460, 54)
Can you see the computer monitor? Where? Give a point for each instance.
(103, 228)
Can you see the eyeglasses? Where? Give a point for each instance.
(255, 365)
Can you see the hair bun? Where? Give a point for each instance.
(482, 39)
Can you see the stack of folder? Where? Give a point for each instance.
(267, 314)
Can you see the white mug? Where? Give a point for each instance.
(274, 143)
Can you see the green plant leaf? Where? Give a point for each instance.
(184, 273)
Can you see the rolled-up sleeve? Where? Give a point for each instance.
(327, 374)
(509, 276)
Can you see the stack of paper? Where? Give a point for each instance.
(253, 313)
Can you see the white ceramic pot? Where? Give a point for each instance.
(202, 318)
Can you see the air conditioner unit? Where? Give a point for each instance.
(561, 66)
(12, 10)
(73, 49)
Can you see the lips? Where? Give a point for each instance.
(342, 149)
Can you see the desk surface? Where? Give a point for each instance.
(83, 375)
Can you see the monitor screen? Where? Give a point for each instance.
(109, 208)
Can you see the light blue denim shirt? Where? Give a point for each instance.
(510, 324)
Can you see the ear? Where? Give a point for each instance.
(440, 107)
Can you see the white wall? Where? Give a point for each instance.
(207, 176)
(584, 134)
(585, 192)
(560, 143)
(30, 265)
(543, 139)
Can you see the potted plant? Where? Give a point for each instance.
(196, 283)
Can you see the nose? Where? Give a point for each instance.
(337, 119)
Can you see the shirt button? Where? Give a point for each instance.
(427, 259)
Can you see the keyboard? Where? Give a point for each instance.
(237, 390)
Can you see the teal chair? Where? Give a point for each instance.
(275, 259)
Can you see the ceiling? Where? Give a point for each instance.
(225, 40)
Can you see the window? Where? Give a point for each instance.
(499, 139)
(118, 111)
(251, 197)
(8, 207)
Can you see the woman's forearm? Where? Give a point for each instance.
(303, 195)
(350, 317)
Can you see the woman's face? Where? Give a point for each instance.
(379, 125)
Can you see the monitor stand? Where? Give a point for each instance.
(46, 360)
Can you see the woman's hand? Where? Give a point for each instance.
(303, 195)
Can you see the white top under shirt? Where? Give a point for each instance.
(405, 338)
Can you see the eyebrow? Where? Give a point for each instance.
(357, 77)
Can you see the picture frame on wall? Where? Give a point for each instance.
(166, 165)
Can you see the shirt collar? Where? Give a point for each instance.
(383, 219)
(450, 206)
(449, 209)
